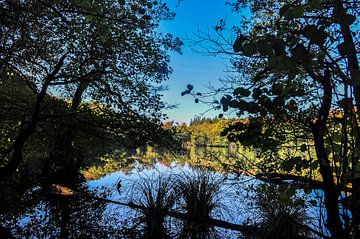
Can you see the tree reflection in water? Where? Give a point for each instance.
(168, 204)
(47, 215)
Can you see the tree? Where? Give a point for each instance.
(107, 52)
(298, 85)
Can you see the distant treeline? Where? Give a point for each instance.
(202, 131)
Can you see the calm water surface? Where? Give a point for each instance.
(82, 217)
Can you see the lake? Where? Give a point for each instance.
(151, 193)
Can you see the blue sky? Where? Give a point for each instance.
(192, 67)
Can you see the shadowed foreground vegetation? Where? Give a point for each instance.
(157, 210)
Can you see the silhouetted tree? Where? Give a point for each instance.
(107, 52)
(298, 83)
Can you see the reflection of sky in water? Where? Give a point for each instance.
(236, 204)
(235, 198)
(232, 199)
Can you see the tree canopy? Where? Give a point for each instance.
(107, 53)
(298, 85)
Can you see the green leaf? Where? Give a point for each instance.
(185, 92)
(256, 93)
(279, 101)
(90, 18)
(315, 3)
(284, 198)
(357, 171)
(264, 47)
(252, 108)
(300, 53)
(298, 167)
(290, 12)
(249, 49)
(242, 104)
(356, 78)
(278, 46)
(292, 105)
(313, 165)
(346, 103)
(142, 11)
(284, 9)
(277, 89)
(273, 62)
(307, 190)
(298, 11)
(347, 19)
(263, 113)
(242, 92)
(315, 35)
(238, 43)
(299, 202)
(225, 103)
(354, 132)
(290, 191)
(345, 49)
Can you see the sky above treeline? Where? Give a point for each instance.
(192, 67)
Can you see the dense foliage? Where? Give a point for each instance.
(298, 86)
(201, 132)
(89, 73)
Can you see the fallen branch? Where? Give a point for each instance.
(278, 178)
(248, 229)
(252, 230)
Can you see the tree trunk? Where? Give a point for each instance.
(354, 69)
(334, 223)
(63, 156)
(17, 157)
(24, 135)
(28, 130)
(318, 128)
(64, 218)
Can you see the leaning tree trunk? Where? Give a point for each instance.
(64, 217)
(64, 164)
(331, 192)
(28, 130)
(17, 157)
(24, 135)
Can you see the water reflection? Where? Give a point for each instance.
(59, 216)
(154, 195)
(215, 158)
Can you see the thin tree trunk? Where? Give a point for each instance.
(64, 218)
(334, 223)
(63, 152)
(354, 70)
(331, 192)
(24, 135)
(17, 157)
(30, 129)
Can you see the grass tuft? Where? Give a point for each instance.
(199, 199)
